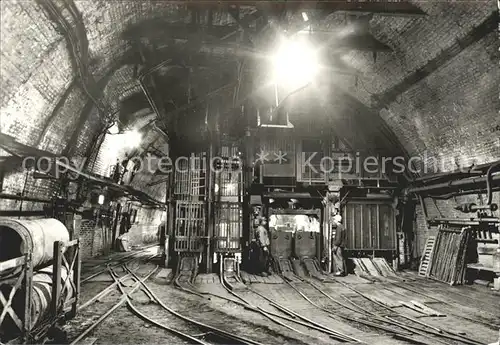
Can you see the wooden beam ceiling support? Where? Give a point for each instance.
(386, 98)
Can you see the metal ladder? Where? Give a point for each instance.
(426, 256)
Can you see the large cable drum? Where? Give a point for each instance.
(41, 298)
(42, 293)
(18, 237)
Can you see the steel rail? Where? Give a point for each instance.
(259, 309)
(329, 312)
(120, 261)
(214, 330)
(438, 332)
(487, 324)
(147, 319)
(364, 312)
(122, 284)
(305, 321)
(118, 304)
(102, 293)
(339, 335)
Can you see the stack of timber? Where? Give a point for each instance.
(447, 262)
(373, 267)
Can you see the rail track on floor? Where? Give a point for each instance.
(286, 318)
(185, 327)
(417, 289)
(114, 262)
(362, 309)
(358, 308)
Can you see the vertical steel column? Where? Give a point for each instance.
(329, 235)
(28, 283)
(209, 218)
(76, 278)
(170, 223)
(361, 225)
(56, 277)
(378, 227)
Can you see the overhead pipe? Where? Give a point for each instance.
(465, 221)
(456, 183)
(23, 198)
(468, 192)
(474, 169)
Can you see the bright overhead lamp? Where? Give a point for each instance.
(295, 63)
(114, 129)
(132, 138)
(305, 17)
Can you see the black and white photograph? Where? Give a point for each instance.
(222, 172)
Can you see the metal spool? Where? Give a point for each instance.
(42, 293)
(41, 297)
(18, 237)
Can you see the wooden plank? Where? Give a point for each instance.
(12, 263)
(426, 309)
(370, 266)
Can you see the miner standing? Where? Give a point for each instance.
(339, 244)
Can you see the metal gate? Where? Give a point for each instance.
(189, 226)
(370, 225)
(190, 177)
(228, 209)
(228, 227)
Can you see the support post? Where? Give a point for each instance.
(210, 209)
(56, 277)
(76, 278)
(28, 285)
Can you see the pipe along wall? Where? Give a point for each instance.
(20, 237)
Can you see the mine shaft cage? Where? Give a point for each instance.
(227, 205)
(59, 306)
(228, 227)
(190, 229)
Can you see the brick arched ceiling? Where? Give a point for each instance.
(71, 67)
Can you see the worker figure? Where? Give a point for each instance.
(125, 224)
(262, 237)
(254, 251)
(339, 244)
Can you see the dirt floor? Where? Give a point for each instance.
(282, 313)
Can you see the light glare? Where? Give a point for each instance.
(114, 129)
(133, 138)
(295, 63)
(305, 17)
